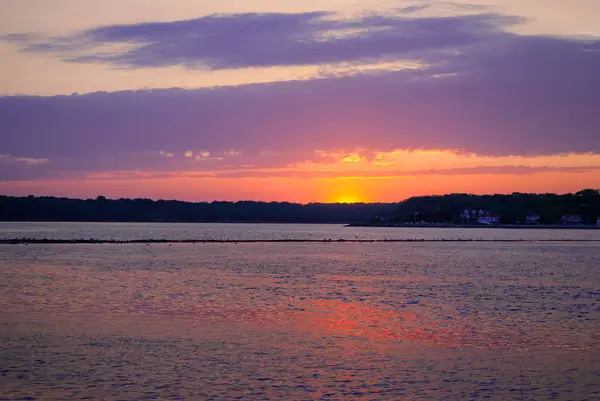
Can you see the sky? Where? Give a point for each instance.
(302, 101)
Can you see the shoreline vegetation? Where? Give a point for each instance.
(497, 226)
(579, 210)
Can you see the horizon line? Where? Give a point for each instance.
(299, 203)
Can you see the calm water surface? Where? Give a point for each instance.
(439, 321)
(240, 231)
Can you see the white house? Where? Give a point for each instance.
(488, 219)
(571, 219)
(479, 216)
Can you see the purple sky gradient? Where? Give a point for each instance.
(482, 90)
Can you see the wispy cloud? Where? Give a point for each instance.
(479, 170)
(21, 160)
(263, 40)
(357, 174)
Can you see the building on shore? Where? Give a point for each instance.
(571, 219)
(465, 216)
(488, 219)
(479, 217)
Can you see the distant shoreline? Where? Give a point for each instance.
(342, 223)
(44, 241)
(510, 226)
(335, 223)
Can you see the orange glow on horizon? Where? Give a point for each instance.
(347, 199)
(343, 190)
(334, 177)
(305, 190)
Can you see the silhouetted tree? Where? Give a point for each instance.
(446, 208)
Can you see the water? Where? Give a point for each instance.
(297, 321)
(239, 232)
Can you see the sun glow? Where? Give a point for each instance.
(347, 199)
(345, 191)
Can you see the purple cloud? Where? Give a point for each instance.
(486, 91)
(305, 174)
(261, 40)
(491, 170)
(413, 9)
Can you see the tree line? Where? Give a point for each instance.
(439, 209)
(511, 208)
(45, 208)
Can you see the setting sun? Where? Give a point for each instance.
(346, 191)
(347, 199)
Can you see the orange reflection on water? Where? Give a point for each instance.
(197, 302)
(352, 319)
(353, 324)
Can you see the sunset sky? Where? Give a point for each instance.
(312, 100)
